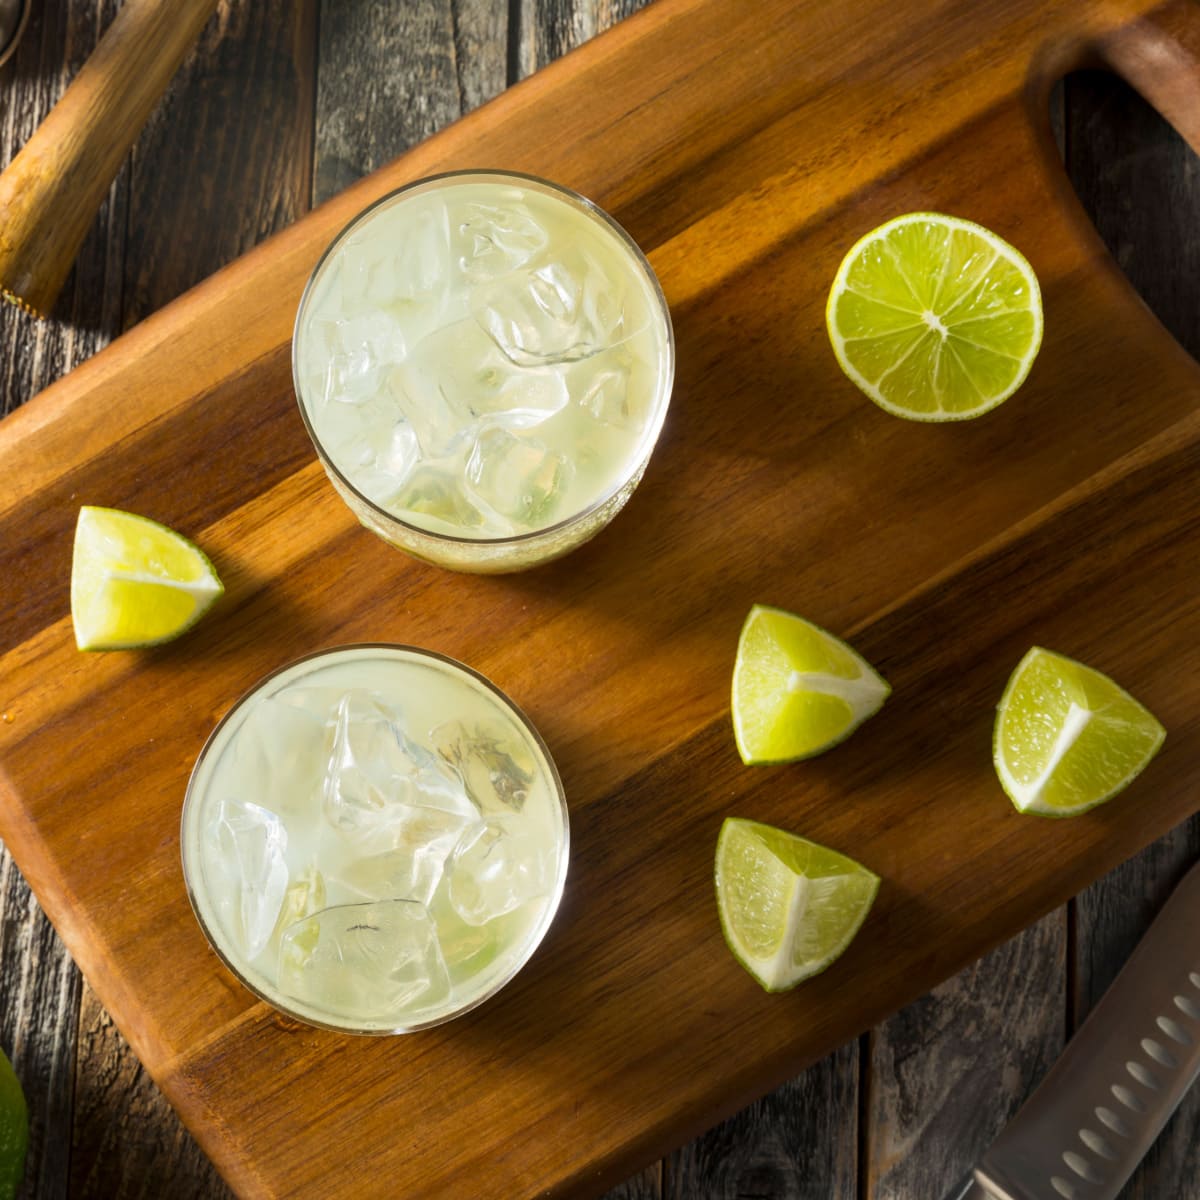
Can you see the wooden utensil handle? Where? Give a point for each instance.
(50, 192)
(1160, 56)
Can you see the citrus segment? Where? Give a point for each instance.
(789, 907)
(1067, 737)
(135, 582)
(797, 690)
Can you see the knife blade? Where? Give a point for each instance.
(1091, 1120)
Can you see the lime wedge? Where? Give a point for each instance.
(935, 318)
(1068, 738)
(797, 690)
(14, 1130)
(135, 582)
(788, 907)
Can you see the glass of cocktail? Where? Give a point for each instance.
(374, 839)
(484, 361)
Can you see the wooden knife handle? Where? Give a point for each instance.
(1159, 55)
(51, 191)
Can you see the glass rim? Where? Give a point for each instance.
(650, 434)
(554, 897)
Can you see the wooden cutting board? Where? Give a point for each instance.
(746, 144)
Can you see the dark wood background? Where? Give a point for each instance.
(284, 103)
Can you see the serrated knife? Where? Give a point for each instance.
(1091, 1120)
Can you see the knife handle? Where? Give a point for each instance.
(1102, 1104)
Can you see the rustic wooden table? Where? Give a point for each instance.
(284, 103)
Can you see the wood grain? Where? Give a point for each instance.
(548, 29)
(672, 748)
(652, 1183)
(39, 997)
(128, 1142)
(392, 75)
(246, 95)
(798, 1143)
(948, 1072)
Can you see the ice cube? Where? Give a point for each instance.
(517, 477)
(351, 377)
(305, 895)
(522, 397)
(401, 265)
(458, 375)
(280, 749)
(496, 765)
(600, 386)
(382, 790)
(434, 491)
(493, 239)
(498, 866)
(557, 312)
(378, 458)
(376, 332)
(369, 962)
(467, 950)
(449, 375)
(253, 846)
(318, 343)
(421, 840)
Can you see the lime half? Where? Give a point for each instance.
(14, 1130)
(1068, 738)
(935, 318)
(788, 907)
(797, 690)
(135, 582)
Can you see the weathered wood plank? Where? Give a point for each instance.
(226, 159)
(88, 313)
(947, 1072)
(646, 1185)
(39, 985)
(548, 29)
(39, 996)
(129, 1144)
(1140, 183)
(798, 1143)
(392, 74)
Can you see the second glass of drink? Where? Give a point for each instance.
(484, 362)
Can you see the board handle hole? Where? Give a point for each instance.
(1116, 147)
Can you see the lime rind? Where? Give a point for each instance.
(14, 1129)
(797, 690)
(789, 908)
(1122, 736)
(127, 566)
(899, 320)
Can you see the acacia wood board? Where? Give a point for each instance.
(746, 147)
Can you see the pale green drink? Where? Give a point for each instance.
(374, 839)
(484, 362)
